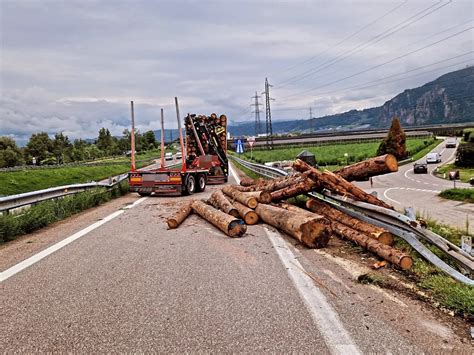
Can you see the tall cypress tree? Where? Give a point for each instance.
(395, 142)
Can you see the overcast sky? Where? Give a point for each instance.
(74, 66)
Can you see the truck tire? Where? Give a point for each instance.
(143, 194)
(201, 183)
(190, 185)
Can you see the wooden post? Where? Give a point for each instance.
(180, 215)
(312, 231)
(378, 233)
(231, 226)
(218, 200)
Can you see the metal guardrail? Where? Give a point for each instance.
(11, 202)
(398, 224)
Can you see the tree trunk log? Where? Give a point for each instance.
(246, 181)
(363, 170)
(248, 215)
(180, 215)
(312, 231)
(218, 200)
(384, 251)
(378, 233)
(338, 184)
(231, 226)
(304, 186)
(242, 197)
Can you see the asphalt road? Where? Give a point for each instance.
(128, 284)
(420, 191)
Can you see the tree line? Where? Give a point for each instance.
(41, 149)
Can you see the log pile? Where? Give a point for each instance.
(234, 207)
(213, 122)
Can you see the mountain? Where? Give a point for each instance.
(448, 99)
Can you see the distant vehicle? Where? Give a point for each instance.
(433, 158)
(178, 155)
(420, 168)
(451, 143)
(169, 156)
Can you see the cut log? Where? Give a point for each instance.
(324, 209)
(249, 199)
(304, 186)
(313, 231)
(231, 226)
(218, 200)
(180, 215)
(386, 252)
(363, 170)
(338, 184)
(248, 215)
(246, 181)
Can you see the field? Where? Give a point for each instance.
(16, 182)
(465, 195)
(334, 154)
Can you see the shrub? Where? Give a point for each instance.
(465, 155)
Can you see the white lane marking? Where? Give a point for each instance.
(55, 247)
(336, 337)
(232, 171)
(136, 203)
(388, 198)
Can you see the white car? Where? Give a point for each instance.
(433, 158)
(178, 155)
(168, 156)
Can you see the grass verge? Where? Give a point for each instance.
(47, 212)
(333, 155)
(17, 182)
(415, 155)
(465, 195)
(464, 173)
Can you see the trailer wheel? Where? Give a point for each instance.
(190, 185)
(144, 194)
(201, 183)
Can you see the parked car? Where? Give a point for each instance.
(420, 168)
(178, 155)
(433, 158)
(451, 143)
(168, 156)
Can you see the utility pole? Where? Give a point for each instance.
(268, 115)
(257, 114)
(311, 119)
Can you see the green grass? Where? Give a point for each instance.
(465, 195)
(448, 292)
(16, 182)
(47, 212)
(420, 153)
(464, 173)
(333, 155)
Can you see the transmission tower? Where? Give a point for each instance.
(311, 118)
(257, 113)
(268, 115)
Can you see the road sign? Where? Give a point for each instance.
(251, 143)
(239, 146)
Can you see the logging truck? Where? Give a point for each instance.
(195, 171)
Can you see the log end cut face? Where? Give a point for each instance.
(172, 223)
(237, 228)
(316, 234)
(251, 218)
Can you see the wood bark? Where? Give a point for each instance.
(304, 186)
(247, 181)
(386, 252)
(312, 231)
(363, 170)
(249, 199)
(180, 215)
(231, 226)
(324, 209)
(338, 184)
(248, 215)
(218, 200)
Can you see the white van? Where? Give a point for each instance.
(433, 158)
(169, 156)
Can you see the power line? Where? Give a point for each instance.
(392, 30)
(347, 38)
(379, 65)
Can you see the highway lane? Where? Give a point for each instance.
(133, 285)
(420, 191)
